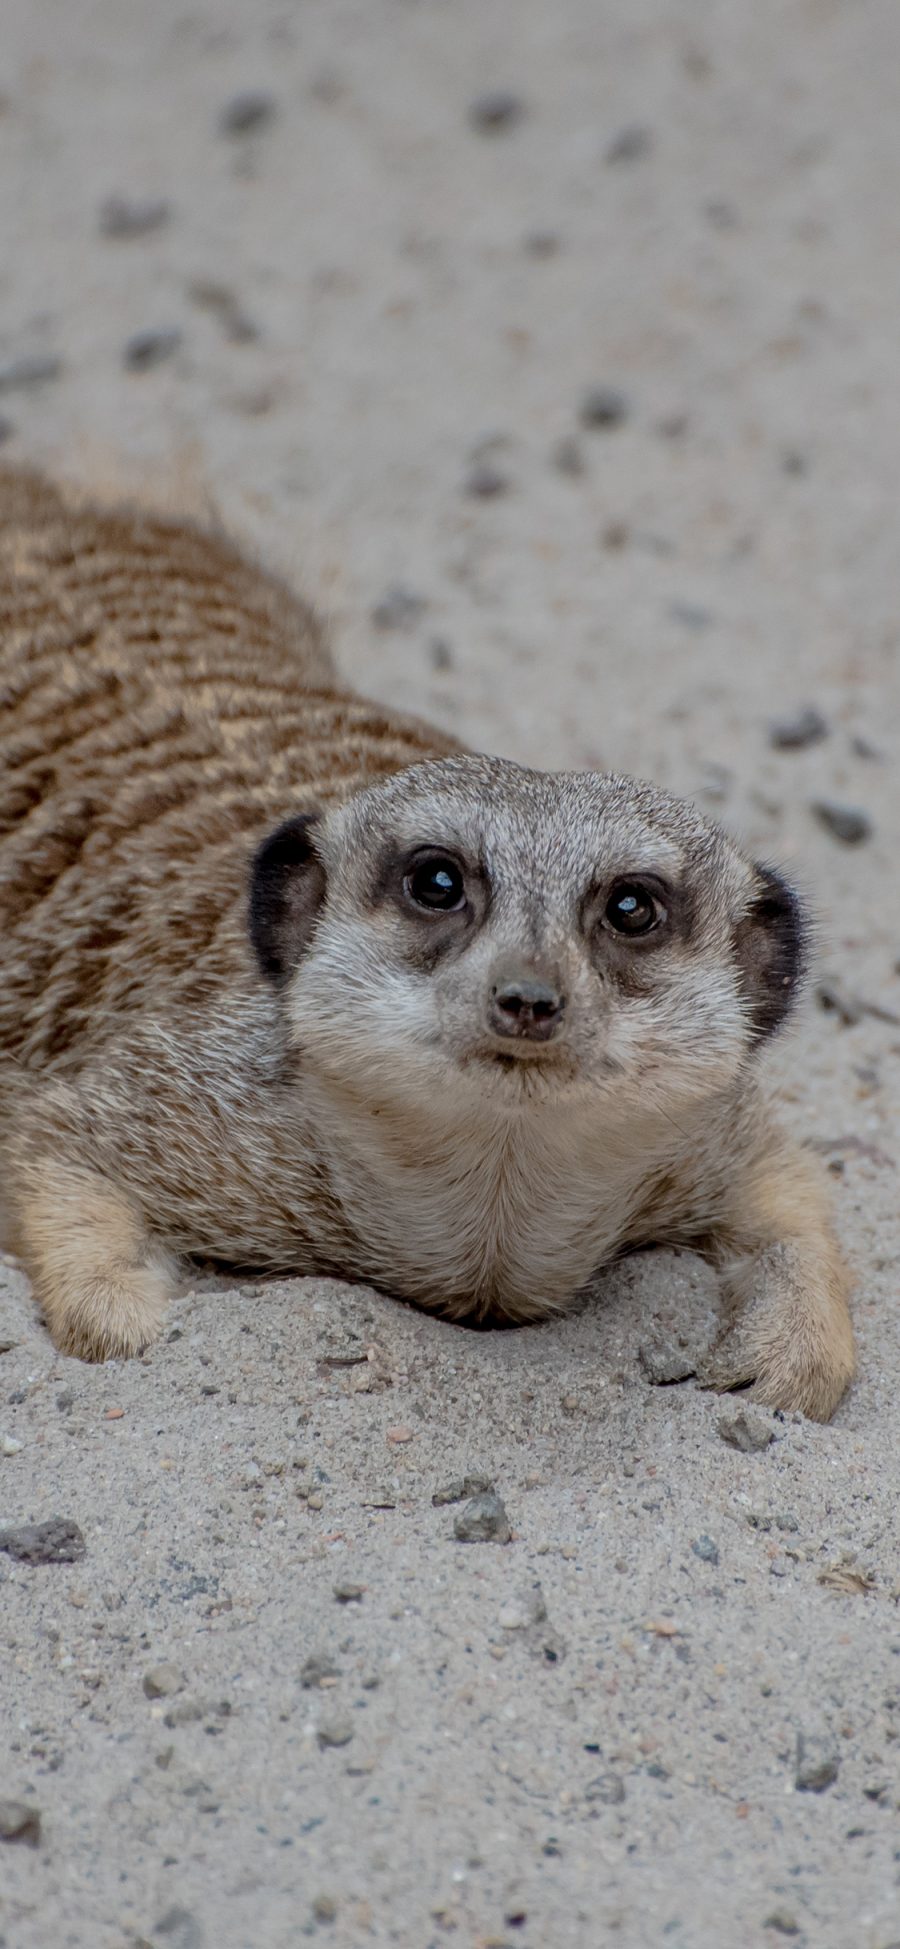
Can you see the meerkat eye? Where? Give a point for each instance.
(632, 910)
(436, 883)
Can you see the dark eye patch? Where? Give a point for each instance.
(440, 895)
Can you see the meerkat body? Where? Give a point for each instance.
(290, 982)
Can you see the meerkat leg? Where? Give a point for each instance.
(790, 1334)
(102, 1282)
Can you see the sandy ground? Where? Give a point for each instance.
(363, 308)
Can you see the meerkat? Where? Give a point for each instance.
(294, 983)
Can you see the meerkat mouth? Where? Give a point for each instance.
(524, 1061)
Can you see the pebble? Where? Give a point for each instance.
(485, 482)
(797, 733)
(691, 615)
(178, 1929)
(35, 369)
(846, 823)
(190, 1712)
(567, 457)
(397, 1436)
(523, 1612)
(58, 1540)
(20, 1822)
(125, 216)
(631, 144)
(664, 1362)
(458, 1490)
(542, 243)
(336, 1730)
(440, 653)
(748, 1430)
(399, 608)
(496, 111)
(603, 407)
(818, 1763)
(247, 113)
(350, 1593)
(483, 1520)
(835, 999)
(782, 1921)
(705, 1549)
(226, 307)
(150, 348)
(66, 1399)
(608, 1788)
(324, 1908)
(319, 1665)
(10, 1446)
(162, 1682)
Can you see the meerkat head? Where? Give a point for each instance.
(468, 923)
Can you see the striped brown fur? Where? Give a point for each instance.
(162, 705)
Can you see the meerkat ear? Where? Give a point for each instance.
(771, 946)
(287, 887)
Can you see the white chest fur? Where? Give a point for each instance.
(475, 1207)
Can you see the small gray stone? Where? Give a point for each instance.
(484, 482)
(460, 1488)
(162, 1682)
(836, 999)
(324, 1908)
(347, 1593)
(319, 1665)
(150, 348)
(748, 1430)
(496, 111)
(631, 144)
(846, 823)
(818, 1762)
(542, 243)
(58, 1540)
(521, 1613)
(35, 369)
(705, 1549)
(247, 113)
(483, 1520)
(665, 1362)
(602, 408)
(797, 733)
(782, 1921)
(608, 1788)
(123, 217)
(66, 1399)
(567, 457)
(399, 608)
(691, 615)
(20, 1823)
(178, 1929)
(336, 1730)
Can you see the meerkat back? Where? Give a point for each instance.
(161, 700)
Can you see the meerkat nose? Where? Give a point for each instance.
(526, 1007)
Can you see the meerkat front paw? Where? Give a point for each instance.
(108, 1316)
(101, 1282)
(791, 1340)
